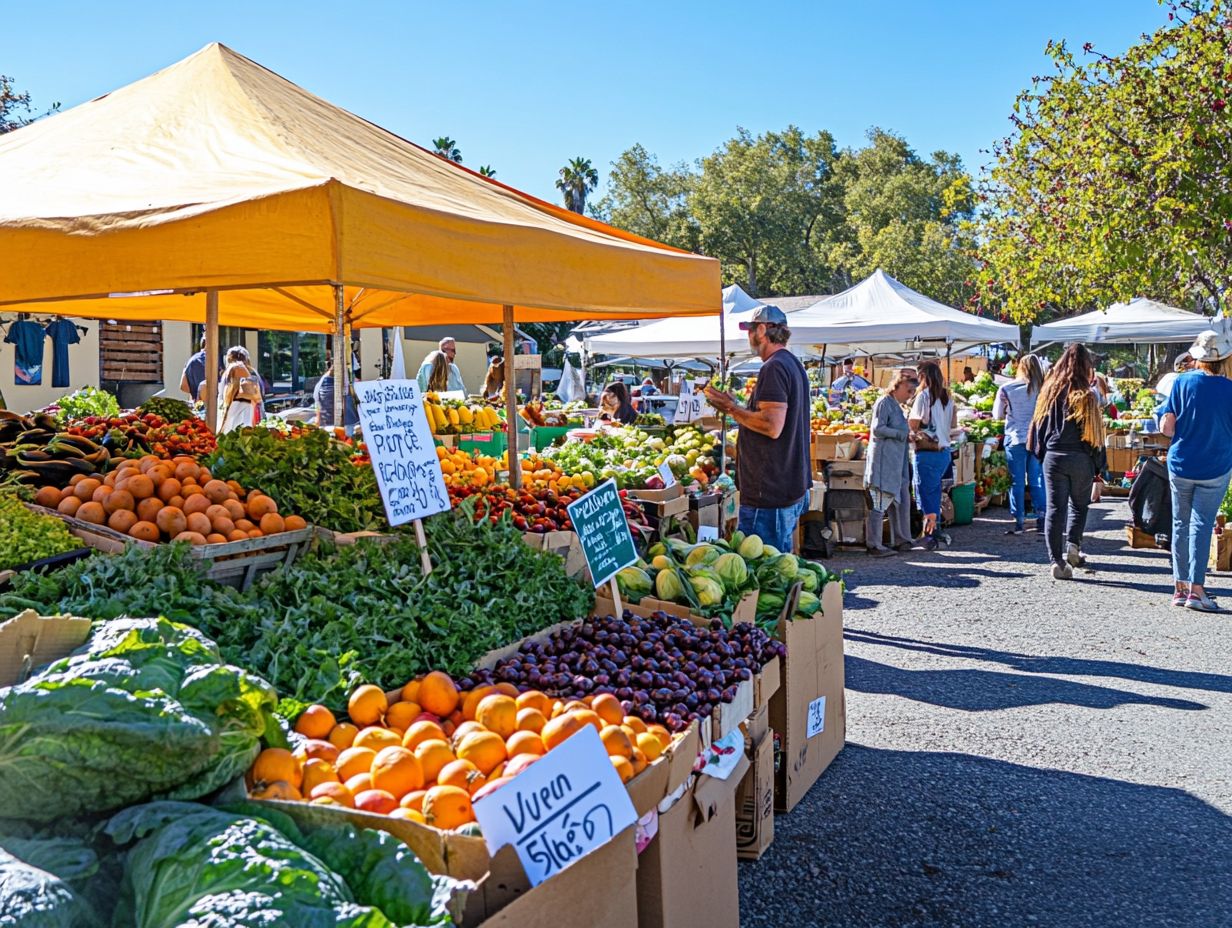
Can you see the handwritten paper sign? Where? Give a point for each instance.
(399, 440)
(707, 533)
(684, 409)
(665, 473)
(568, 803)
(816, 717)
(603, 532)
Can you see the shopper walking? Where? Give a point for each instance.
(430, 369)
(773, 468)
(933, 419)
(1198, 417)
(887, 472)
(239, 393)
(1067, 436)
(1015, 403)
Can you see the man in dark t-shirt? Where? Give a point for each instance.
(772, 469)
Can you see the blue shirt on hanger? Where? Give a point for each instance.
(27, 339)
(62, 333)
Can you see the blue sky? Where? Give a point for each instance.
(526, 86)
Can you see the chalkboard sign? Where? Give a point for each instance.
(565, 805)
(399, 441)
(603, 532)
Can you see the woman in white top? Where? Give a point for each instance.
(933, 417)
(239, 393)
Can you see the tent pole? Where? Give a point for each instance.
(342, 357)
(511, 402)
(211, 359)
(726, 386)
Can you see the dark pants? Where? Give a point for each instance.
(1068, 478)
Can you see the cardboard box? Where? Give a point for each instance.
(29, 641)
(598, 891)
(564, 544)
(767, 683)
(817, 496)
(844, 478)
(1121, 460)
(964, 463)
(1138, 538)
(669, 501)
(755, 801)
(755, 727)
(813, 672)
(1221, 551)
(841, 446)
(687, 875)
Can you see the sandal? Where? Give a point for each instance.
(1201, 603)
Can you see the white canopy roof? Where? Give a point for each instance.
(682, 337)
(1138, 321)
(881, 314)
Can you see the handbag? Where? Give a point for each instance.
(926, 438)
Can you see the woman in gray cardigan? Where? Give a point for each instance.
(887, 473)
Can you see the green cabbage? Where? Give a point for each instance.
(668, 586)
(634, 583)
(732, 570)
(36, 883)
(661, 562)
(702, 554)
(808, 605)
(809, 580)
(770, 603)
(144, 709)
(709, 592)
(751, 548)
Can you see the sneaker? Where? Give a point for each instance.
(1062, 571)
(930, 543)
(1074, 556)
(880, 552)
(1016, 530)
(1178, 599)
(904, 546)
(1201, 603)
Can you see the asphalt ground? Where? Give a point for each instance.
(1020, 750)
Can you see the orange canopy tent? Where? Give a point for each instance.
(216, 191)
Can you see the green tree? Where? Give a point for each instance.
(577, 180)
(17, 109)
(648, 200)
(487, 170)
(447, 148)
(1116, 180)
(905, 215)
(761, 203)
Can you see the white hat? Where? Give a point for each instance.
(1211, 346)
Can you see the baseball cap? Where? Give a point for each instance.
(771, 315)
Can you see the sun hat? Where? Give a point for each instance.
(1211, 346)
(769, 314)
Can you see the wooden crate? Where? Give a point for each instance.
(232, 563)
(131, 352)
(1138, 538)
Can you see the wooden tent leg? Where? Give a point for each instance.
(511, 402)
(211, 359)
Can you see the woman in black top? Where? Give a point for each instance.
(1067, 435)
(616, 404)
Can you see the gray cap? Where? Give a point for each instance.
(769, 314)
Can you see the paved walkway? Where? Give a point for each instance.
(1021, 751)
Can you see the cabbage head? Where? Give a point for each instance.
(751, 548)
(709, 593)
(633, 583)
(808, 605)
(702, 554)
(732, 571)
(668, 587)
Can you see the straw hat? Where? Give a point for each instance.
(1211, 346)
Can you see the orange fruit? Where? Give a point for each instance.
(609, 709)
(315, 722)
(47, 497)
(144, 531)
(461, 773)
(224, 526)
(530, 720)
(433, 755)
(376, 737)
(519, 763)
(193, 538)
(367, 704)
(118, 499)
(402, 714)
(259, 505)
(498, 713)
(508, 689)
(334, 791)
(84, 490)
(560, 729)
(413, 800)
(91, 512)
(376, 800)
(409, 815)
(354, 760)
(623, 767)
(342, 735)
(397, 771)
(294, 523)
(68, 506)
(100, 495)
(616, 742)
(633, 722)
(213, 538)
(421, 731)
(589, 717)
(524, 742)
(471, 703)
(639, 761)
(650, 745)
(272, 523)
(664, 736)
(168, 488)
(235, 509)
(447, 807)
(484, 749)
(216, 490)
(359, 782)
(463, 730)
(317, 747)
(171, 521)
(279, 789)
(196, 502)
(533, 699)
(277, 764)
(197, 522)
(140, 486)
(410, 692)
(437, 694)
(121, 520)
(148, 509)
(316, 772)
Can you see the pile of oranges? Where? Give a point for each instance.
(463, 469)
(539, 473)
(426, 755)
(157, 499)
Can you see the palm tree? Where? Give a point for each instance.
(577, 180)
(447, 148)
(487, 170)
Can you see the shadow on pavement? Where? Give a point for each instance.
(973, 690)
(1068, 666)
(901, 838)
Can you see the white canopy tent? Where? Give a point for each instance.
(1140, 321)
(681, 337)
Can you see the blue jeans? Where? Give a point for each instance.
(1025, 470)
(1195, 503)
(775, 527)
(930, 468)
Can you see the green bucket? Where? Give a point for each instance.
(963, 498)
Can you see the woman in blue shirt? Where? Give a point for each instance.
(1015, 403)
(1198, 417)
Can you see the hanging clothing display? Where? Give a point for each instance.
(62, 333)
(27, 340)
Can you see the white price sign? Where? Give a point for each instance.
(707, 533)
(399, 440)
(816, 717)
(568, 803)
(666, 475)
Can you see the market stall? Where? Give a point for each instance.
(1140, 321)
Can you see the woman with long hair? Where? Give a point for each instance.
(239, 393)
(1198, 417)
(932, 420)
(1067, 436)
(438, 372)
(616, 404)
(1015, 403)
(494, 380)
